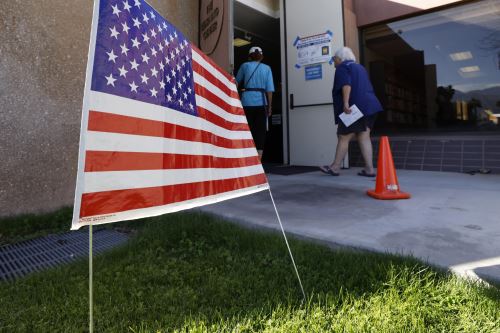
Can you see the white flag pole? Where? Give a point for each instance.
(91, 299)
(287, 245)
(81, 153)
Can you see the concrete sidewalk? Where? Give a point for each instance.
(452, 219)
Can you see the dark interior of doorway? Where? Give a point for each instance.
(263, 31)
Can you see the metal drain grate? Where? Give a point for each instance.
(19, 259)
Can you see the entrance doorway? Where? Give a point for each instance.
(253, 28)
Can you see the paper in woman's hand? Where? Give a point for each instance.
(349, 118)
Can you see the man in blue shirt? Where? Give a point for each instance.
(255, 81)
(352, 86)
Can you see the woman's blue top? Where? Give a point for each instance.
(353, 74)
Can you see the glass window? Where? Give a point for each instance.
(438, 71)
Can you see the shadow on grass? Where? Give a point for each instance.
(192, 272)
(23, 227)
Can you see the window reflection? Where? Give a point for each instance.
(439, 71)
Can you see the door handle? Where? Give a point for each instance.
(292, 104)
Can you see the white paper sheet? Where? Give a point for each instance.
(349, 118)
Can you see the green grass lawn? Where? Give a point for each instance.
(193, 273)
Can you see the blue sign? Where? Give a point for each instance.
(314, 72)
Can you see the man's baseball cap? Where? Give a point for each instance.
(255, 49)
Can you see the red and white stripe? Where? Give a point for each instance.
(145, 160)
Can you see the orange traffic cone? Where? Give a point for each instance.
(387, 186)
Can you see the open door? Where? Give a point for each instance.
(254, 27)
(311, 32)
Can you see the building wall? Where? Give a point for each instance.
(221, 45)
(372, 11)
(43, 55)
(351, 27)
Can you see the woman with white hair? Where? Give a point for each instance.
(351, 85)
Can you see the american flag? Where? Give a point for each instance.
(163, 128)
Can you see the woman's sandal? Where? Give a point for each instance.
(365, 174)
(326, 169)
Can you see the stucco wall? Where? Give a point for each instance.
(43, 55)
(351, 27)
